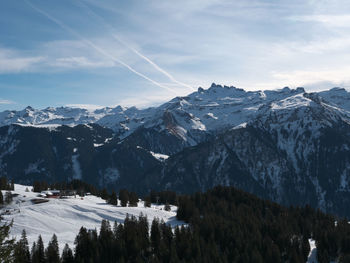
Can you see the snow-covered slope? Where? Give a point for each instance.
(65, 217)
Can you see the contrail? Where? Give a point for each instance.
(154, 64)
(135, 51)
(97, 48)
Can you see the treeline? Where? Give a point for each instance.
(127, 198)
(38, 253)
(229, 225)
(162, 197)
(131, 241)
(77, 185)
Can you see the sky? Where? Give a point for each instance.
(94, 53)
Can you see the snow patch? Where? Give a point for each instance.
(313, 251)
(159, 156)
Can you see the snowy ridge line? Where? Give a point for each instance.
(218, 107)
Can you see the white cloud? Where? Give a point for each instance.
(144, 100)
(80, 62)
(6, 102)
(336, 20)
(337, 76)
(13, 62)
(90, 107)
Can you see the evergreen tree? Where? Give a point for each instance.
(86, 249)
(38, 251)
(155, 235)
(104, 194)
(6, 244)
(3, 183)
(33, 251)
(147, 202)
(133, 199)
(113, 200)
(105, 241)
(1, 198)
(124, 197)
(21, 250)
(52, 251)
(67, 255)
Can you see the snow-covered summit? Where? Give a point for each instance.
(206, 110)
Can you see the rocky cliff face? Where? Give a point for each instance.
(286, 145)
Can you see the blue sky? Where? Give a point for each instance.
(144, 52)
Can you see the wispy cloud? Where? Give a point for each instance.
(80, 62)
(13, 62)
(6, 102)
(90, 107)
(336, 20)
(304, 77)
(143, 100)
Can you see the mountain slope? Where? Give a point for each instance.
(286, 145)
(293, 153)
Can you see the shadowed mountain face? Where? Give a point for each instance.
(286, 145)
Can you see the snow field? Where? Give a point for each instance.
(64, 217)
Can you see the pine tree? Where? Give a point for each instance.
(67, 255)
(143, 235)
(147, 202)
(3, 183)
(38, 251)
(104, 194)
(124, 197)
(155, 236)
(52, 252)
(6, 244)
(105, 241)
(33, 251)
(21, 250)
(113, 200)
(133, 199)
(84, 251)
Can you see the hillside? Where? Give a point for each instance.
(65, 217)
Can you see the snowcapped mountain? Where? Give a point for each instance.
(205, 110)
(286, 145)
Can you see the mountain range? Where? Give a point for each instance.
(287, 145)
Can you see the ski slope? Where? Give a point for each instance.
(65, 217)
